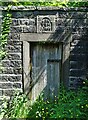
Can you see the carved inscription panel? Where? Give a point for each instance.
(45, 24)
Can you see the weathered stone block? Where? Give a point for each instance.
(11, 63)
(11, 70)
(14, 36)
(30, 29)
(15, 78)
(17, 85)
(32, 21)
(28, 14)
(16, 29)
(6, 85)
(17, 71)
(64, 22)
(1, 92)
(79, 29)
(7, 70)
(79, 22)
(14, 56)
(72, 79)
(81, 37)
(11, 42)
(73, 64)
(8, 92)
(23, 21)
(3, 78)
(0, 77)
(17, 14)
(74, 15)
(87, 15)
(0, 22)
(76, 81)
(5, 63)
(15, 63)
(78, 43)
(24, 14)
(77, 72)
(74, 31)
(0, 72)
(11, 78)
(13, 48)
(76, 36)
(15, 22)
(78, 49)
(60, 21)
(77, 57)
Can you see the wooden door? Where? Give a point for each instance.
(53, 78)
(45, 63)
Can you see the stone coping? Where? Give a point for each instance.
(18, 8)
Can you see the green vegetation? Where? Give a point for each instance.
(5, 29)
(4, 33)
(65, 3)
(70, 104)
(60, 4)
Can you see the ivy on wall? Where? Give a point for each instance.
(5, 29)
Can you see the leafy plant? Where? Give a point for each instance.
(5, 29)
(70, 104)
(64, 3)
(18, 106)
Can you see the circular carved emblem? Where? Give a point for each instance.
(46, 25)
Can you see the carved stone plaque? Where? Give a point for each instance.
(45, 24)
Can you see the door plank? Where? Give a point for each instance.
(53, 79)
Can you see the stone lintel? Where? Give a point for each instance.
(34, 37)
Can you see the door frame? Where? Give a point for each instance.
(27, 59)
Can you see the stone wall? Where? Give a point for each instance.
(69, 26)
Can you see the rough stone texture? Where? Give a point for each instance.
(6, 85)
(11, 74)
(13, 49)
(65, 21)
(11, 78)
(1, 93)
(11, 70)
(17, 85)
(14, 36)
(16, 29)
(8, 92)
